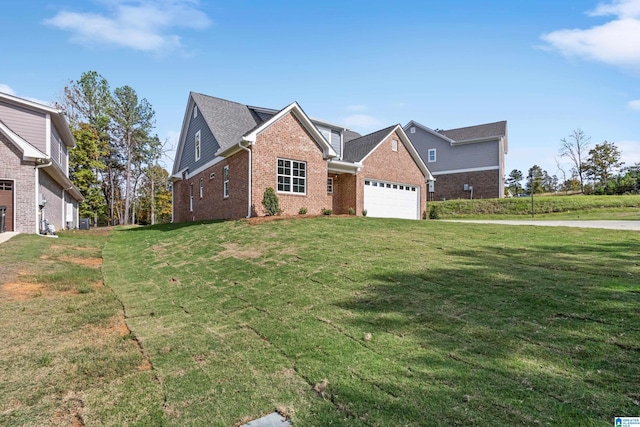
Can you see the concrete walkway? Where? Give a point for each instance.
(612, 224)
(7, 235)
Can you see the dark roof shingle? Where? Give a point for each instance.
(357, 149)
(476, 132)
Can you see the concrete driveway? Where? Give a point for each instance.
(612, 225)
(7, 235)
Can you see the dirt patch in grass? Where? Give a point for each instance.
(20, 291)
(88, 262)
(242, 252)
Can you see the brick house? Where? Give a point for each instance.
(229, 153)
(34, 166)
(467, 162)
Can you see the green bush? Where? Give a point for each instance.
(326, 211)
(270, 202)
(434, 212)
(302, 211)
(352, 211)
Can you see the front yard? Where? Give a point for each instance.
(331, 321)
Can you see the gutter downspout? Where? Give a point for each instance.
(249, 176)
(37, 176)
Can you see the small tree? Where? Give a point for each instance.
(513, 181)
(576, 148)
(534, 179)
(270, 201)
(603, 160)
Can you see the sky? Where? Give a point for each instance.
(547, 67)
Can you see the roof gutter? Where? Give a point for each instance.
(246, 148)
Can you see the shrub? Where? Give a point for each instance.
(352, 211)
(326, 211)
(364, 212)
(434, 212)
(302, 211)
(270, 202)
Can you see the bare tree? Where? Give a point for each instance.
(576, 148)
(564, 174)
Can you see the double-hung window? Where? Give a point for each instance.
(292, 176)
(190, 197)
(197, 147)
(225, 181)
(432, 155)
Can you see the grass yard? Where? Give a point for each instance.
(333, 321)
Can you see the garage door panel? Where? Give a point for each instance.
(388, 200)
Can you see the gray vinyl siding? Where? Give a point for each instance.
(55, 148)
(448, 157)
(28, 124)
(335, 142)
(208, 144)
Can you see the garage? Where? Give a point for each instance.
(391, 200)
(6, 199)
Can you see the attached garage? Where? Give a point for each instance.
(6, 199)
(391, 200)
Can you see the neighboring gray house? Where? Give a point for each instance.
(34, 166)
(466, 162)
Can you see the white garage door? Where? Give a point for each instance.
(389, 200)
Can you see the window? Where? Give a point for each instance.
(190, 197)
(330, 185)
(197, 141)
(201, 187)
(225, 181)
(412, 129)
(394, 145)
(292, 176)
(432, 155)
(195, 111)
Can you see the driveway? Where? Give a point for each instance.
(612, 225)
(7, 235)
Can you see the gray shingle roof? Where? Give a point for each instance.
(476, 132)
(348, 135)
(228, 120)
(357, 149)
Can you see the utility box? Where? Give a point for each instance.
(84, 223)
(3, 214)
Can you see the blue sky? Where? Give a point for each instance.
(547, 67)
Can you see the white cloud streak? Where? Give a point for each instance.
(615, 42)
(7, 89)
(634, 105)
(142, 25)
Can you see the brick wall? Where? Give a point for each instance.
(288, 139)
(213, 204)
(388, 165)
(344, 193)
(486, 185)
(12, 167)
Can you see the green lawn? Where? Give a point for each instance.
(406, 322)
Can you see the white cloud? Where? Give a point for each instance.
(7, 89)
(634, 105)
(361, 121)
(630, 151)
(137, 24)
(615, 42)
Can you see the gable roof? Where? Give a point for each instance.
(478, 132)
(28, 150)
(355, 150)
(57, 116)
(228, 120)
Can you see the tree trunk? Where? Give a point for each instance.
(127, 195)
(153, 202)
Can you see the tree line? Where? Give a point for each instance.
(115, 161)
(592, 170)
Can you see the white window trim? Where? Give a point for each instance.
(191, 197)
(225, 181)
(431, 150)
(394, 145)
(198, 146)
(195, 111)
(201, 187)
(292, 177)
(330, 185)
